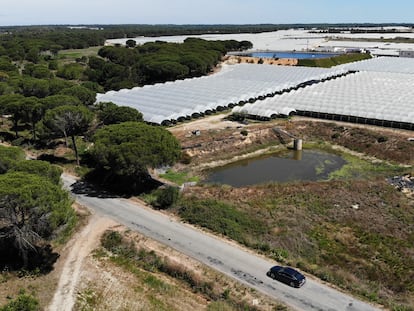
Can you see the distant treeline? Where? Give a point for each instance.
(121, 67)
(57, 37)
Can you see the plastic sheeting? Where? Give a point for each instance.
(234, 83)
(367, 95)
(382, 64)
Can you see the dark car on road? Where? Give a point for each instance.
(287, 275)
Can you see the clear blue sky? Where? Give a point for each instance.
(35, 12)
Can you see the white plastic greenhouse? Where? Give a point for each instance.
(233, 85)
(382, 64)
(385, 99)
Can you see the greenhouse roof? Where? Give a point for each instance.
(234, 83)
(382, 64)
(367, 95)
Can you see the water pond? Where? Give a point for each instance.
(280, 167)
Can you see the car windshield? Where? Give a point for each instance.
(293, 272)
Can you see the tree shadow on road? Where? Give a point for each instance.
(103, 184)
(92, 190)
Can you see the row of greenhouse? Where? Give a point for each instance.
(236, 84)
(377, 91)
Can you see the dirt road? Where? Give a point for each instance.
(77, 250)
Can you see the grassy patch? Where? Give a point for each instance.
(23, 301)
(157, 284)
(149, 198)
(126, 255)
(222, 218)
(148, 265)
(357, 168)
(78, 53)
(88, 300)
(179, 178)
(333, 61)
(157, 304)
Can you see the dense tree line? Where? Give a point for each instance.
(120, 67)
(33, 210)
(28, 42)
(19, 42)
(31, 43)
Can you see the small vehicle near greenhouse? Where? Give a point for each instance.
(287, 275)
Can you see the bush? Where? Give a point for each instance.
(237, 116)
(166, 197)
(244, 132)
(111, 240)
(222, 218)
(23, 302)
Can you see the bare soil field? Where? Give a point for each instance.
(256, 60)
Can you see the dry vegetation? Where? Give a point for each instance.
(355, 231)
(145, 275)
(132, 272)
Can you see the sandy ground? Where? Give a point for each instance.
(231, 60)
(73, 258)
(207, 123)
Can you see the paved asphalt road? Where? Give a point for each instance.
(218, 254)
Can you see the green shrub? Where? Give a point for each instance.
(237, 116)
(333, 61)
(111, 240)
(222, 218)
(179, 178)
(23, 302)
(166, 197)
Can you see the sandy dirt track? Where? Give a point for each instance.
(78, 248)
